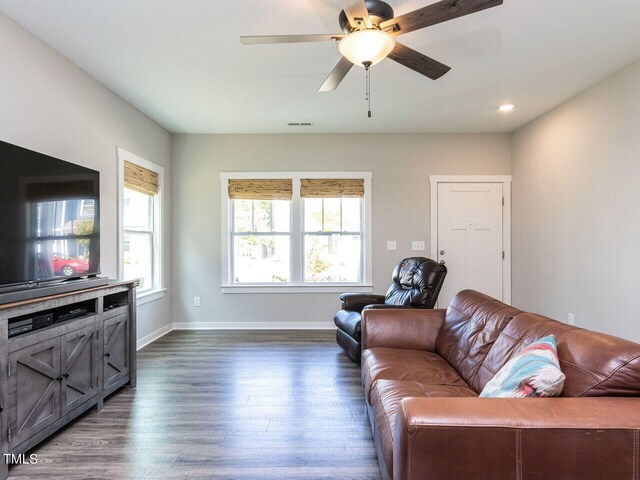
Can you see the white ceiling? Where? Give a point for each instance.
(180, 62)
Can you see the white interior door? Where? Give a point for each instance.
(470, 238)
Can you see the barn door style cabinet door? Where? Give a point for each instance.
(79, 372)
(34, 390)
(57, 372)
(116, 350)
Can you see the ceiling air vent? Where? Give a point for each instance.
(300, 124)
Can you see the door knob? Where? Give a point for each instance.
(441, 252)
(442, 262)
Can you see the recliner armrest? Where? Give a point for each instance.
(410, 328)
(560, 438)
(355, 302)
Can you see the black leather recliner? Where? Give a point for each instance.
(416, 283)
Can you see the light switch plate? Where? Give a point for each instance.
(392, 245)
(196, 301)
(417, 245)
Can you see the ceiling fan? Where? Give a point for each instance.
(369, 35)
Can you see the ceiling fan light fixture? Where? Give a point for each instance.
(366, 46)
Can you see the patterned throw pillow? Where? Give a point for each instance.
(534, 372)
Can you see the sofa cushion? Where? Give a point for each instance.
(595, 364)
(472, 324)
(349, 322)
(386, 396)
(407, 365)
(534, 372)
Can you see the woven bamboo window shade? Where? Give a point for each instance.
(332, 188)
(261, 189)
(140, 179)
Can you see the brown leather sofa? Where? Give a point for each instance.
(422, 371)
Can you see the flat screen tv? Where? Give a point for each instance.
(49, 220)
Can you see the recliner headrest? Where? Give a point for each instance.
(417, 272)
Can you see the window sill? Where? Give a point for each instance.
(333, 288)
(150, 296)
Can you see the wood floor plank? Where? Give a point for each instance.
(224, 405)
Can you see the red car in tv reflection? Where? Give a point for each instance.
(68, 266)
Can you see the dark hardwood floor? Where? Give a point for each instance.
(224, 405)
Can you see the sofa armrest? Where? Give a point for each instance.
(384, 306)
(410, 328)
(355, 302)
(559, 438)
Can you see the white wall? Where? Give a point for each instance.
(401, 165)
(49, 105)
(576, 208)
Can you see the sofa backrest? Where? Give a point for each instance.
(481, 334)
(595, 364)
(472, 324)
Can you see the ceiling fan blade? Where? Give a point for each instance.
(357, 14)
(436, 13)
(337, 75)
(417, 61)
(264, 39)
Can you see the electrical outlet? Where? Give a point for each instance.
(196, 301)
(571, 319)
(417, 245)
(392, 245)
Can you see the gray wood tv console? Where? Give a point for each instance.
(51, 375)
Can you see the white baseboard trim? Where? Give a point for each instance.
(253, 326)
(152, 337)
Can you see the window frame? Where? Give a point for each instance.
(158, 290)
(297, 237)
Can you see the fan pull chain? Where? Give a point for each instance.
(368, 85)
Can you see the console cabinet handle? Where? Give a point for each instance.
(66, 375)
(108, 354)
(60, 378)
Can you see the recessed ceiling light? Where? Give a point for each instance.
(506, 107)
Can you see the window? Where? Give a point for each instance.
(296, 231)
(332, 240)
(261, 241)
(141, 205)
(139, 244)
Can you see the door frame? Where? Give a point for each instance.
(505, 180)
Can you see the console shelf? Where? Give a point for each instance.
(50, 375)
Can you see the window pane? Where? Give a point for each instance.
(138, 209)
(261, 215)
(261, 259)
(138, 255)
(351, 214)
(242, 217)
(313, 214)
(331, 214)
(332, 258)
(281, 215)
